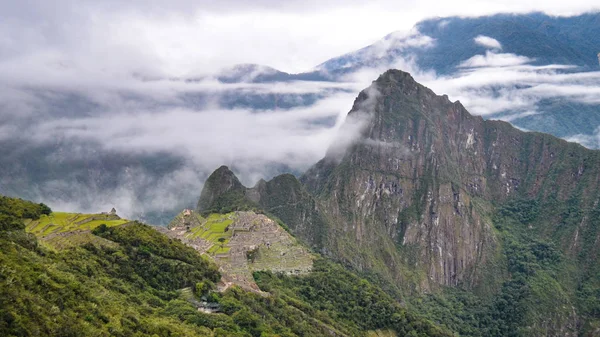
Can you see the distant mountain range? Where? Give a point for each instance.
(527, 45)
(545, 39)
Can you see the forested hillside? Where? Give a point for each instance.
(132, 281)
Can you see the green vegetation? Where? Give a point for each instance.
(12, 210)
(230, 202)
(61, 222)
(536, 294)
(135, 281)
(216, 230)
(332, 291)
(121, 290)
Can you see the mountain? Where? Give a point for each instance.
(431, 193)
(282, 197)
(499, 224)
(529, 69)
(442, 44)
(98, 147)
(530, 46)
(255, 73)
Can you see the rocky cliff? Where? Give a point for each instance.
(403, 191)
(424, 175)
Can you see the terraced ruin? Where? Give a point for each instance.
(61, 230)
(240, 243)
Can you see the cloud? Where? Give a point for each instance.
(380, 51)
(505, 86)
(351, 131)
(148, 154)
(590, 141)
(187, 38)
(487, 42)
(491, 59)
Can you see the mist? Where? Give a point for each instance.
(120, 104)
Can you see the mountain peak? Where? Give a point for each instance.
(396, 76)
(221, 182)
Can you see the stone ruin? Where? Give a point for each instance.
(274, 248)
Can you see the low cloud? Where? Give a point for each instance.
(111, 104)
(488, 42)
(148, 155)
(491, 59)
(505, 86)
(351, 131)
(590, 141)
(210, 137)
(379, 52)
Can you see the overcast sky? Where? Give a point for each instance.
(190, 37)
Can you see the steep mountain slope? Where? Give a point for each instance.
(428, 197)
(418, 194)
(283, 197)
(423, 163)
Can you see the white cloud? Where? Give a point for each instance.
(487, 42)
(211, 137)
(491, 59)
(591, 141)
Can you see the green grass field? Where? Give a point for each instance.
(62, 222)
(213, 229)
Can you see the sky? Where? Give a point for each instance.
(94, 113)
(187, 37)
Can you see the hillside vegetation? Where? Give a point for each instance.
(129, 282)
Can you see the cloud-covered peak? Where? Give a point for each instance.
(246, 72)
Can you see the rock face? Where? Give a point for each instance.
(415, 188)
(401, 193)
(222, 188)
(285, 197)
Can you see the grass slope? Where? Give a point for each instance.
(62, 222)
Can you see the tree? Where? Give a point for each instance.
(221, 241)
(44, 209)
(203, 288)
